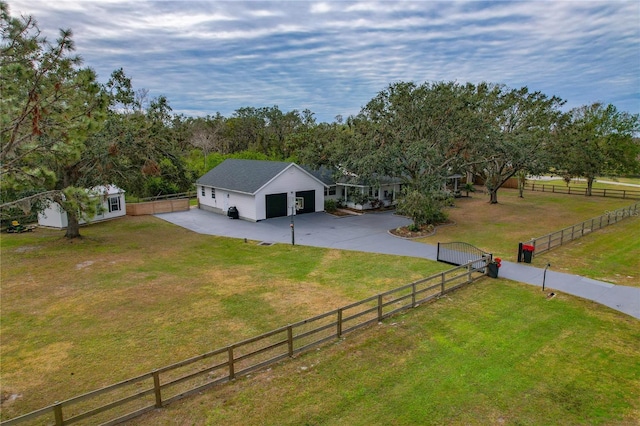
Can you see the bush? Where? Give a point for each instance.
(330, 206)
(422, 208)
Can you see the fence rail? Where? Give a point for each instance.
(189, 194)
(596, 192)
(133, 397)
(558, 238)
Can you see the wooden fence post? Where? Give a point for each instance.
(379, 307)
(156, 388)
(469, 268)
(413, 295)
(442, 284)
(290, 340)
(232, 372)
(339, 332)
(57, 413)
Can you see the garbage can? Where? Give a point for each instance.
(493, 267)
(527, 252)
(492, 270)
(233, 212)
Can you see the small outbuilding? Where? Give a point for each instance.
(113, 206)
(260, 189)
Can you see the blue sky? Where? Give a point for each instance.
(332, 57)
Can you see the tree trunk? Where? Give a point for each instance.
(522, 178)
(73, 227)
(494, 196)
(590, 180)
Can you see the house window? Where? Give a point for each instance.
(202, 190)
(330, 190)
(213, 193)
(114, 204)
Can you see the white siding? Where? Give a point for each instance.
(53, 216)
(291, 181)
(253, 207)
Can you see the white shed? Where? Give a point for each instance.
(260, 189)
(113, 205)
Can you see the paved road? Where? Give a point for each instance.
(369, 233)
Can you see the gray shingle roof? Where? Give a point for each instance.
(242, 175)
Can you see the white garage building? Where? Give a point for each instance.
(260, 189)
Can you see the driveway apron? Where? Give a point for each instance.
(369, 233)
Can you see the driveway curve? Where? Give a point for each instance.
(369, 233)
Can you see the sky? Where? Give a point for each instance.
(332, 57)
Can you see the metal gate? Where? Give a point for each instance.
(459, 253)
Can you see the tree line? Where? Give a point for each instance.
(63, 132)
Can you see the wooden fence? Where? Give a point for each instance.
(133, 397)
(558, 238)
(160, 206)
(596, 192)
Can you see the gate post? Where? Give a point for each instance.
(519, 252)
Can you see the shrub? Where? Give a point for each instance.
(422, 208)
(330, 206)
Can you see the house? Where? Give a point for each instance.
(356, 193)
(260, 189)
(113, 205)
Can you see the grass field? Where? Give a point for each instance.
(611, 254)
(498, 228)
(138, 293)
(608, 183)
(496, 352)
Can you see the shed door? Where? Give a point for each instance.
(276, 205)
(309, 201)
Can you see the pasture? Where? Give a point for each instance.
(138, 293)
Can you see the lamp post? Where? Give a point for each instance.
(292, 225)
(544, 275)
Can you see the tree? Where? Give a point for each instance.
(49, 107)
(597, 140)
(419, 133)
(139, 147)
(207, 135)
(517, 129)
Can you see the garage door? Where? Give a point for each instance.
(276, 205)
(309, 203)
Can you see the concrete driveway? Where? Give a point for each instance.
(369, 233)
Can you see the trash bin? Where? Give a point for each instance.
(493, 267)
(233, 212)
(527, 252)
(492, 270)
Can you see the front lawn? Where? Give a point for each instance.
(138, 293)
(498, 228)
(496, 352)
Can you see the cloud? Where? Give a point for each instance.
(334, 56)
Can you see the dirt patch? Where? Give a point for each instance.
(8, 397)
(85, 264)
(27, 249)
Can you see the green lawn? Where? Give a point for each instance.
(138, 293)
(601, 183)
(496, 352)
(498, 228)
(610, 254)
